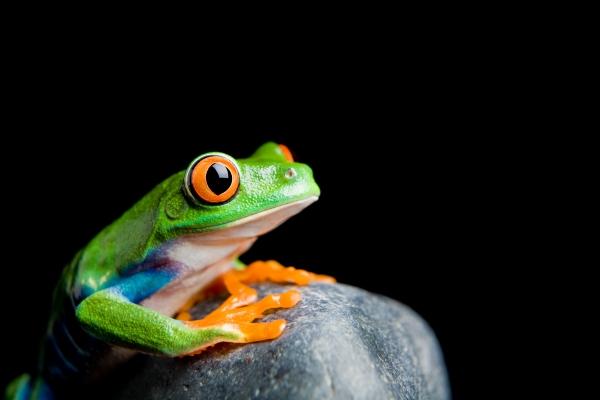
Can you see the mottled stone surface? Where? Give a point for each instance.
(341, 342)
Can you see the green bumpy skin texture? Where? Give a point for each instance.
(113, 318)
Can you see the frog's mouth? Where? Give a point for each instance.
(203, 256)
(256, 224)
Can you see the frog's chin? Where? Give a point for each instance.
(235, 234)
(256, 224)
(202, 257)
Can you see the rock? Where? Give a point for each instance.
(341, 342)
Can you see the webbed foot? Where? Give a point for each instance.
(239, 310)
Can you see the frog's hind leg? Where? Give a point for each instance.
(26, 388)
(239, 310)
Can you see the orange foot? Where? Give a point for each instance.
(241, 308)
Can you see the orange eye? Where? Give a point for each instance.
(213, 179)
(286, 152)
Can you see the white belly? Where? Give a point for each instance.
(173, 296)
(201, 265)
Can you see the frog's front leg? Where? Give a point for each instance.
(238, 307)
(113, 316)
(259, 271)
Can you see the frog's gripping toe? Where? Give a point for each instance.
(238, 325)
(234, 317)
(241, 332)
(250, 312)
(256, 331)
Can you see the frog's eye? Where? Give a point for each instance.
(212, 178)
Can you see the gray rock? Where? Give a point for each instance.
(341, 342)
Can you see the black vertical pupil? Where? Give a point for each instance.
(218, 178)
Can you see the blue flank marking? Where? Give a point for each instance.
(140, 280)
(143, 284)
(24, 391)
(43, 391)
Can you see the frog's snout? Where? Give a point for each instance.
(298, 178)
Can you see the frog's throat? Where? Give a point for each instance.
(204, 256)
(256, 224)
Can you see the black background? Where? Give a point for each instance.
(419, 171)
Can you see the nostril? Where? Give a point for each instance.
(290, 173)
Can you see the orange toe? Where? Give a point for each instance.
(256, 331)
(289, 299)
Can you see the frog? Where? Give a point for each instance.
(131, 288)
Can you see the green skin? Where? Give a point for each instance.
(161, 216)
(114, 273)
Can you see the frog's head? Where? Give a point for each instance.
(222, 198)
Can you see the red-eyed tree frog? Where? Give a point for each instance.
(131, 286)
